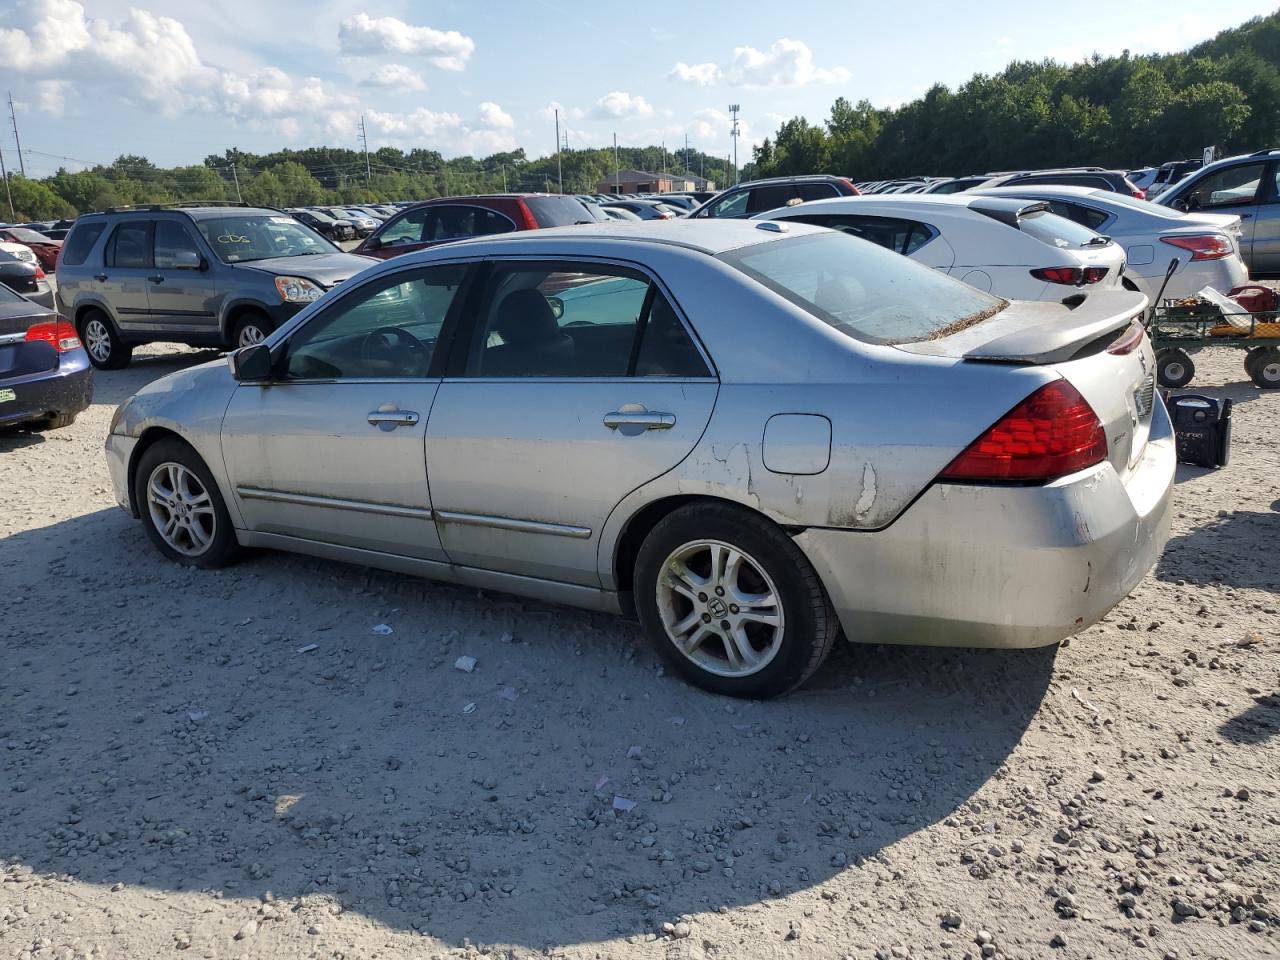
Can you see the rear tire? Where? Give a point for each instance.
(57, 421)
(1264, 367)
(731, 603)
(181, 508)
(101, 342)
(1174, 368)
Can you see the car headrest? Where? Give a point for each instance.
(524, 316)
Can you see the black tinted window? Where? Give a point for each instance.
(900, 236)
(816, 191)
(558, 211)
(769, 198)
(130, 245)
(385, 330)
(453, 223)
(1085, 216)
(80, 241)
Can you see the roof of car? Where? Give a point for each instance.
(196, 213)
(1063, 189)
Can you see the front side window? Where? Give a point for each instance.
(731, 206)
(245, 238)
(407, 229)
(862, 290)
(174, 246)
(574, 320)
(1233, 187)
(387, 329)
(130, 245)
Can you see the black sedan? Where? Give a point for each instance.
(45, 377)
(25, 278)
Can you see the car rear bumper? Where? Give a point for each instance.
(64, 389)
(119, 453)
(1221, 275)
(975, 566)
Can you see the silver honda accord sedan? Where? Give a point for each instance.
(752, 436)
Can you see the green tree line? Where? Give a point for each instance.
(1119, 112)
(326, 175)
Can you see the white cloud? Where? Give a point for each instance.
(491, 131)
(619, 103)
(787, 63)
(50, 96)
(700, 74)
(363, 35)
(711, 128)
(494, 117)
(395, 76)
(566, 113)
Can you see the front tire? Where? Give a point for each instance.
(181, 507)
(250, 329)
(101, 342)
(731, 603)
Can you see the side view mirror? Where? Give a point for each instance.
(251, 364)
(373, 243)
(189, 260)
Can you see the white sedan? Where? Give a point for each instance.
(1015, 249)
(1206, 245)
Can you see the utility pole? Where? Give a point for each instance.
(733, 110)
(559, 170)
(504, 178)
(236, 177)
(4, 175)
(615, 163)
(364, 141)
(686, 153)
(13, 119)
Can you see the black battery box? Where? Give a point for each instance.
(1202, 429)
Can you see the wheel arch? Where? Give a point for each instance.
(150, 437)
(236, 312)
(641, 523)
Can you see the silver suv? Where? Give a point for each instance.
(205, 275)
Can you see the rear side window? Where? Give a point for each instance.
(864, 291)
(130, 245)
(900, 236)
(80, 241)
(1085, 216)
(1055, 230)
(455, 222)
(769, 198)
(558, 211)
(816, 191)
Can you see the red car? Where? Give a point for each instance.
(455, 218)
(46, 250)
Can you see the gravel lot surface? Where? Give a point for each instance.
(240, 764)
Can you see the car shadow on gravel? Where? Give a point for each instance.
(249, 730)
(1257, 724)
(15, 438)
(1235, 548)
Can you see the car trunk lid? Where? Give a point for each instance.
(20, 357)
(1073, 338)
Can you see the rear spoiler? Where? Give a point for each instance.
(1034, 332)
(1006, 209)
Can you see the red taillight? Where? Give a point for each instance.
(1210, 246)
(57, 333)
(1052, 433)
(1071, 276)
(39, 272)
(526, 216)
(1128, 341)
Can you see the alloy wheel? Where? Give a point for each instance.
(181, 509)
(250, 334)
(720, 608)
(97, 340)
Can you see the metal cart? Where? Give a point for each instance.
(1178, 330)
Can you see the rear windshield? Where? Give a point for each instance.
(559, 211)
(1145, 206)
(80, 241)
(864, 291)
(26, 235)
(8, 296)
(1055, 230)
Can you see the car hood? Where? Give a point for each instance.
(325, 269)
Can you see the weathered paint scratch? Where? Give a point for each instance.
(866, 499)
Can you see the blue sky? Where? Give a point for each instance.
(176, 81)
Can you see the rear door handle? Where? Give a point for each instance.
(648, 420)
(393, 418)
(100, 277)
(156, 279)
(1245, 216)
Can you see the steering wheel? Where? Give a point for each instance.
(379, 346)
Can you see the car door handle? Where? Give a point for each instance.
(646, 419)
(394, 418)
(156, 279)
(100, 277)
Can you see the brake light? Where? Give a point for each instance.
(1071, 276)
(1052, 433)
(526, 216)
(59, 334)
(39, 272)
(1210, 246)
(1128, 341)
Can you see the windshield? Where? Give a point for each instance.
(863, 290)
(1056, 231)
(23, 235)
(260, 237)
